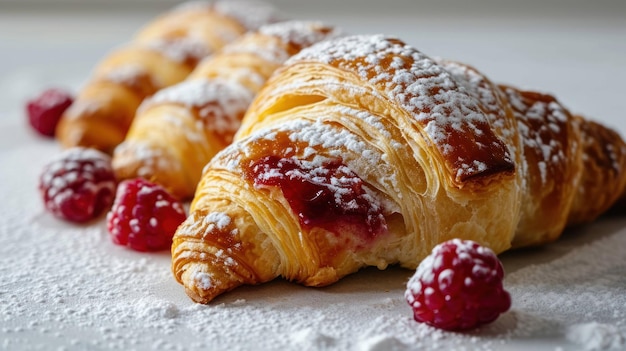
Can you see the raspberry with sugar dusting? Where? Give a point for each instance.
(144, 216)
(45, 111)
(78, 185)
(458, 286)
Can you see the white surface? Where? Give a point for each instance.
(69, 287)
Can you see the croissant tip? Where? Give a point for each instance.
(204, 288)
(193, 295)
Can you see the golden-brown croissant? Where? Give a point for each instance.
(179, 129)
(163, 53)
(363, 151)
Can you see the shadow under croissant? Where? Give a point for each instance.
(571, 239)
(371, 284)
(369, 281)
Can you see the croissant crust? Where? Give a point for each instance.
(362, 151)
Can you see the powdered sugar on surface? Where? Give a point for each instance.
(597, 336)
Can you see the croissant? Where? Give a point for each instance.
(362, 151)
(179, 129)
(163, 53)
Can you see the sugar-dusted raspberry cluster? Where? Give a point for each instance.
(78, 184)
(144, 216)
(458, 286)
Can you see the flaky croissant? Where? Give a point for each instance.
(178, 130)
(363, 151)
(163, 53)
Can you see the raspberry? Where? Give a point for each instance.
(45, 111)
(144, 216)
(457, 287)
(78, 185)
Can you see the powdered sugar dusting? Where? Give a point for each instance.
(424, 271)
(300, 33)
(152, 158)
(79, 108)
(310, 338)
(429, 93)
(202, 280)
(597, 336)
(541, 123)
(318, 135)
(271, 52)
(220, 103)
(76, 171)
(407, 82)
(383, 343)
(584, 284)
(251, 14)
(490, 97)
(193, 5)
(217, 220)
(81, 153)
(322, 135)
(181, 49)
(297, 33)
(126, 74)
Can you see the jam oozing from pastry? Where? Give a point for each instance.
(327, 195)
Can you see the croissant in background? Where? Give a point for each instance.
(163, 53)
(179, 129)
(362, 151)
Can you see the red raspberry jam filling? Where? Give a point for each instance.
(326, 195)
